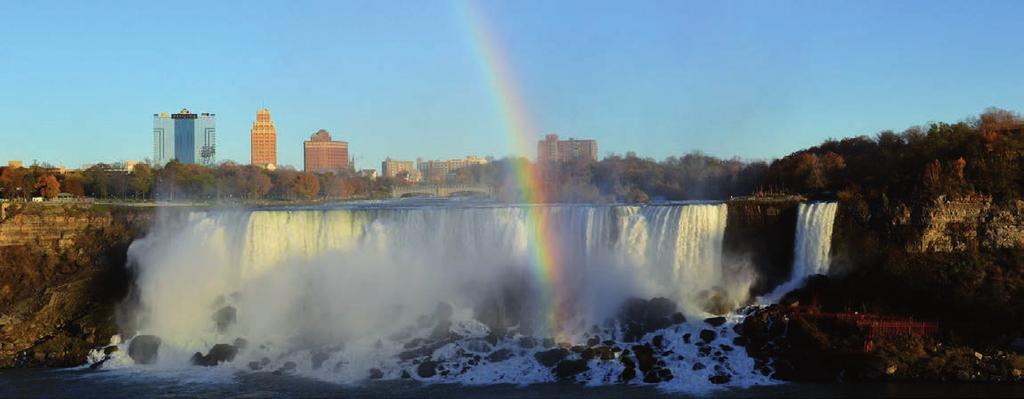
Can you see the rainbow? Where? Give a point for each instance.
(545, 256)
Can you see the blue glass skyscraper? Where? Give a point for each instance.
(187, 137)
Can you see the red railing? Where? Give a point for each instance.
(876, 326)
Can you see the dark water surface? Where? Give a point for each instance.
(106, 384)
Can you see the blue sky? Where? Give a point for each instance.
(79, 81)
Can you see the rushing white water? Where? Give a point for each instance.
(347, 279)
(811, 247)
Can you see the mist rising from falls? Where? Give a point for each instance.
(812, 245)
(347, 279)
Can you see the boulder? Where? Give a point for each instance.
(628, 374)
(376, 374)
(499, 355)
(527, 342)
(640, 317)
(224, 318)
(715, 321)
(427, 369)
(644, 357)
(708, 335)
(288, 367)
(318, 359)
(144, 348)
(567, 369)
(478, 346)
(551, 357)
(219, 353)
(719, 379)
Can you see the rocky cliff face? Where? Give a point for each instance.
(964, 225)
(760, 232)
(62, 272)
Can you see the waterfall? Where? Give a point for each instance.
(346, 277)
(811, 246)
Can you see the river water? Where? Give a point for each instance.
(79, 383)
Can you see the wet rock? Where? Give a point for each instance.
(224, 318)
(376, 374)
(604, 353)
(715, 321)
(110, 349)
(708, 335)
(640, 317)
(741, 341)
(644, 357)
(499, 355)
(627, 374)
(493, 337)
(658, 341)
(665, 374)
(548, 342)
(427, 369)
(567, 369)
(652, 377)
(725, 347)
(686, 338)
(551, 357)
(240, 343)
(144, 348)
(678, 318)
(405, 375)
(527, 342)
(288, 367)
(423, 351)
(698, 366)
(594, 341)
(255, 366)
(478, 346)
(318, 359)
(219, 353)
(719, 379)
(627, 362)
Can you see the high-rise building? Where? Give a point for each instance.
(395, 168)
(263, 140)
(321, 154)
(187, 137)
(439, 170)
(551, 149)
(163, 138)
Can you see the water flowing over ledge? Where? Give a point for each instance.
(346, 294)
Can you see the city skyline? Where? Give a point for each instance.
(654, 78)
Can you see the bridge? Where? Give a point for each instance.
(442, 190)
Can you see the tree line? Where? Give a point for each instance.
(189, 182)
(979, 156)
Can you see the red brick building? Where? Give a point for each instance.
(321, 154)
